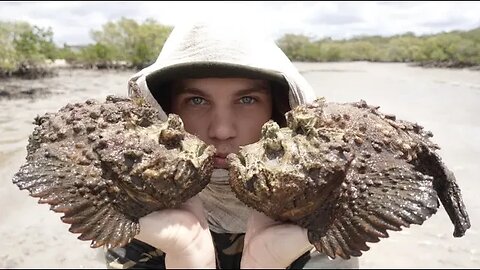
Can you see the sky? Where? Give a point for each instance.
(72, 21)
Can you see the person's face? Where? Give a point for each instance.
(224, 112)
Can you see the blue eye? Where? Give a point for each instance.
(197, 100)
(247, 100)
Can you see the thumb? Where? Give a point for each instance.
(272, 243)
(172, 230)
(195, 206)
(182, 234)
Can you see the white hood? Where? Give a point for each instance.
(204, 49)
(221, 50)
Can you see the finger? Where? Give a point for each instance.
(179, 234)
(276, 247)
(169, 225)
(162, 229)
(195, 206)
(273, 244)
(287, 242)
(257, 222)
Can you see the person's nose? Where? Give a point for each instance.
(222, 125)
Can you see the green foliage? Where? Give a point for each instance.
(24, 44)
(97, 54)
(127, 40)
(8, 56)
(298, 47)
(457, 48)
(124, 41)
(34, 43)
(128, 43)
(67, 53)
(329, 52)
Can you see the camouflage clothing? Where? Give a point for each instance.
(228, 248)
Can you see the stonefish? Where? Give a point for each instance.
(107, 164)
(346, 172)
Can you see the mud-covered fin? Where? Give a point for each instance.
(372, 203)
(444, 182)
(90, 212)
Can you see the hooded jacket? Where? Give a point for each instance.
(202, 49)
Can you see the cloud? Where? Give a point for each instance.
(390, 18)
(73, 21)
(335, 14)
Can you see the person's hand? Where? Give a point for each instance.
(272, 244)
(182, 234)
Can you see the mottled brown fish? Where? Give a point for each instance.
(347, 173)
(105, 165)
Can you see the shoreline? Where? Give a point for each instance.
(11, 87)
(50, 68)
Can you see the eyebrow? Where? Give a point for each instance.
(260, 89)
(189, 90)
(252, 90)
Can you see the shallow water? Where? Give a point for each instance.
(446, 102)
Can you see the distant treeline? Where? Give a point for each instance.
(452, 49)
(26, 48)
(124, 43)
(23, 48)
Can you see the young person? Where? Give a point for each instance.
(224, 83)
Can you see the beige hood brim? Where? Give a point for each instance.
(203, 49)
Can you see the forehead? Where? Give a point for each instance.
(221, 84)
